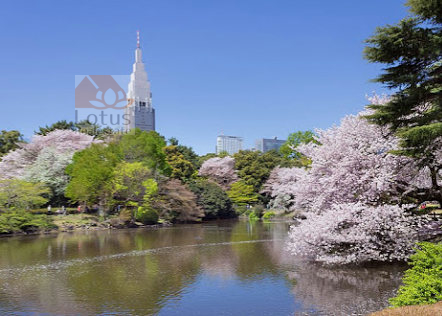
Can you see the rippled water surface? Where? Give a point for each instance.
(217, 268)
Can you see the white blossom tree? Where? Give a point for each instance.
(15, 163)
(220, 170)
(356, 233)
(353, 163)
(354, 194)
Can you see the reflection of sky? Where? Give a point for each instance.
(235, 268)
(210, 295)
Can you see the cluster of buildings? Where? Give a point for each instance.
(233, 144)
(140, 113)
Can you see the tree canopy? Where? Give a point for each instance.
(411, 51)
(9, 140)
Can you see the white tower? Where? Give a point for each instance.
(139, 113)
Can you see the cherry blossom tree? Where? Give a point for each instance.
(281, 186)
(356, 233)
(62, 142)
(220, 170)
(353, 163)
(355, 195)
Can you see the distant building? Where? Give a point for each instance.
(266, 144)
(139, 112)
(229, 144)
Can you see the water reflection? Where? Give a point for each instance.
(221, 267)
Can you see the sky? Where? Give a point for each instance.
(249, 68)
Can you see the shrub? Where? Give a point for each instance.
(146, 215)
(268, 215)
(253, 216)
(423, 282)
(21, 221)
(258, 210)
(212, 199)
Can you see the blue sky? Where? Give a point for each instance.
(249, 68)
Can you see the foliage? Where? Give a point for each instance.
(212, 199)
(59, 125)
(22, 221)
(220, 170)
(9, 140)
(253, 216)
(176, 203)
(64, 142)
(84, 127)
(92, 172)
(145, 147)
(22, 195)
(423, 281)
(254, 167)
(146, 215)
(131, 182)
(268, 215)
(242, 194)
(355, 233)
(288, 149)
(49, 168)
(181, 168)
(412, 53)
(187, 152)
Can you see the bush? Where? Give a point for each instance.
(258, 210)
(146, 215)
(212, 199)
(253, 216)
(268, 215)
(21, 221)
(423, 282)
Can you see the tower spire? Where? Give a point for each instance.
(138, 39)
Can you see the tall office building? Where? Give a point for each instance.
(229, 144)
(140, 112)
(266, 144)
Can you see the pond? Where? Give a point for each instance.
(214, 268)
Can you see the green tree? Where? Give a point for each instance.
(92, 172)
(145, 147)
(9, 140)
(95, 130)
(188, 153)
(22, 195)
(254, 167)
(288, 150)
(412, 53)
(57, 125)
(212, 199)
(132, 182)
(423, 282)
(242, 194)
(180, 167)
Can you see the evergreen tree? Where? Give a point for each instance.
(412, 52)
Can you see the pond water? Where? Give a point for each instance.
(215, 268)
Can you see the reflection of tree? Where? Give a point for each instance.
(73, 273)
(345, 291)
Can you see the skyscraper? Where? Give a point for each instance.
(229, 144)
(139, 112)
